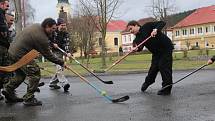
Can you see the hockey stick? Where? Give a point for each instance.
(23, 61)
(101, 92)
(106, 82)
(115, 63)
(185, 76)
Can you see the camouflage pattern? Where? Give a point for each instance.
(3, 62)
(32, 71)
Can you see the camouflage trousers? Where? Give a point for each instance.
(31, 72)
(3, 62)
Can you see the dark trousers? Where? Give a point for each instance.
(163, 63)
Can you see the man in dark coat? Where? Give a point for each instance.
(4, 40)
(35, 37)
(161, 48)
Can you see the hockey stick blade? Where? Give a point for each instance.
(122, 99)
(108, 82)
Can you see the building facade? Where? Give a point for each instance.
(113, 40)
(197, 30)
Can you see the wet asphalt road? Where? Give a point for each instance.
(193, 99)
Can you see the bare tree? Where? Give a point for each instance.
(16, 7)
(29, 11)
(24, 13)
(101, 12)
(162, 8)
(83, 30)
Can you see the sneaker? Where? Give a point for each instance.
(41, 84)
(37, 90)
(66, 87)
(54, 80)
(144, 87)
(11, 97)
(32, 102)
(54, 86)
(163, 92)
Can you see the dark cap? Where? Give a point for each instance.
(60, 21)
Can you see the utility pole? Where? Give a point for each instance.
(18, 23)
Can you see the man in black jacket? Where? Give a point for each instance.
(4, 40)
(61, 39)
(161, 48)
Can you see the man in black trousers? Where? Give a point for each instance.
(161, 48)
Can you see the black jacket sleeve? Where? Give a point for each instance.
(158, 25)
(145, 31)
(213, 58)
(3, 25)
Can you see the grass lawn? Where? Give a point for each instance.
(140, 62)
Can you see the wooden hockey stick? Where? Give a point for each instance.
(23, 61)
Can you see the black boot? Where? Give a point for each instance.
(11, 97)
(54, 86)
(144, 87)
(166, 91)
(66, 87)
(32, 102)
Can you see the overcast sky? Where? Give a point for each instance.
(128, 10)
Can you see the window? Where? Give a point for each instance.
(116, 41)
(214, 28)
(207, 29)
(100, 41)
(125, 38)
(200, 30)
(177, 33)
(206, 44)
(129, 36)
(197, 44)
(184, 32)
(192, 31)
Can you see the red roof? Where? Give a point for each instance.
(116, 25)
(200, 16)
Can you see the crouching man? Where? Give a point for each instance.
(35, 37)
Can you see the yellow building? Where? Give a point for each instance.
(197, 30)
(113, 38)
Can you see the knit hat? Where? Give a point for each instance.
(60, 21)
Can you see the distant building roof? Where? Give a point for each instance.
(173, 19)
(116, 26)
(200, 16)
